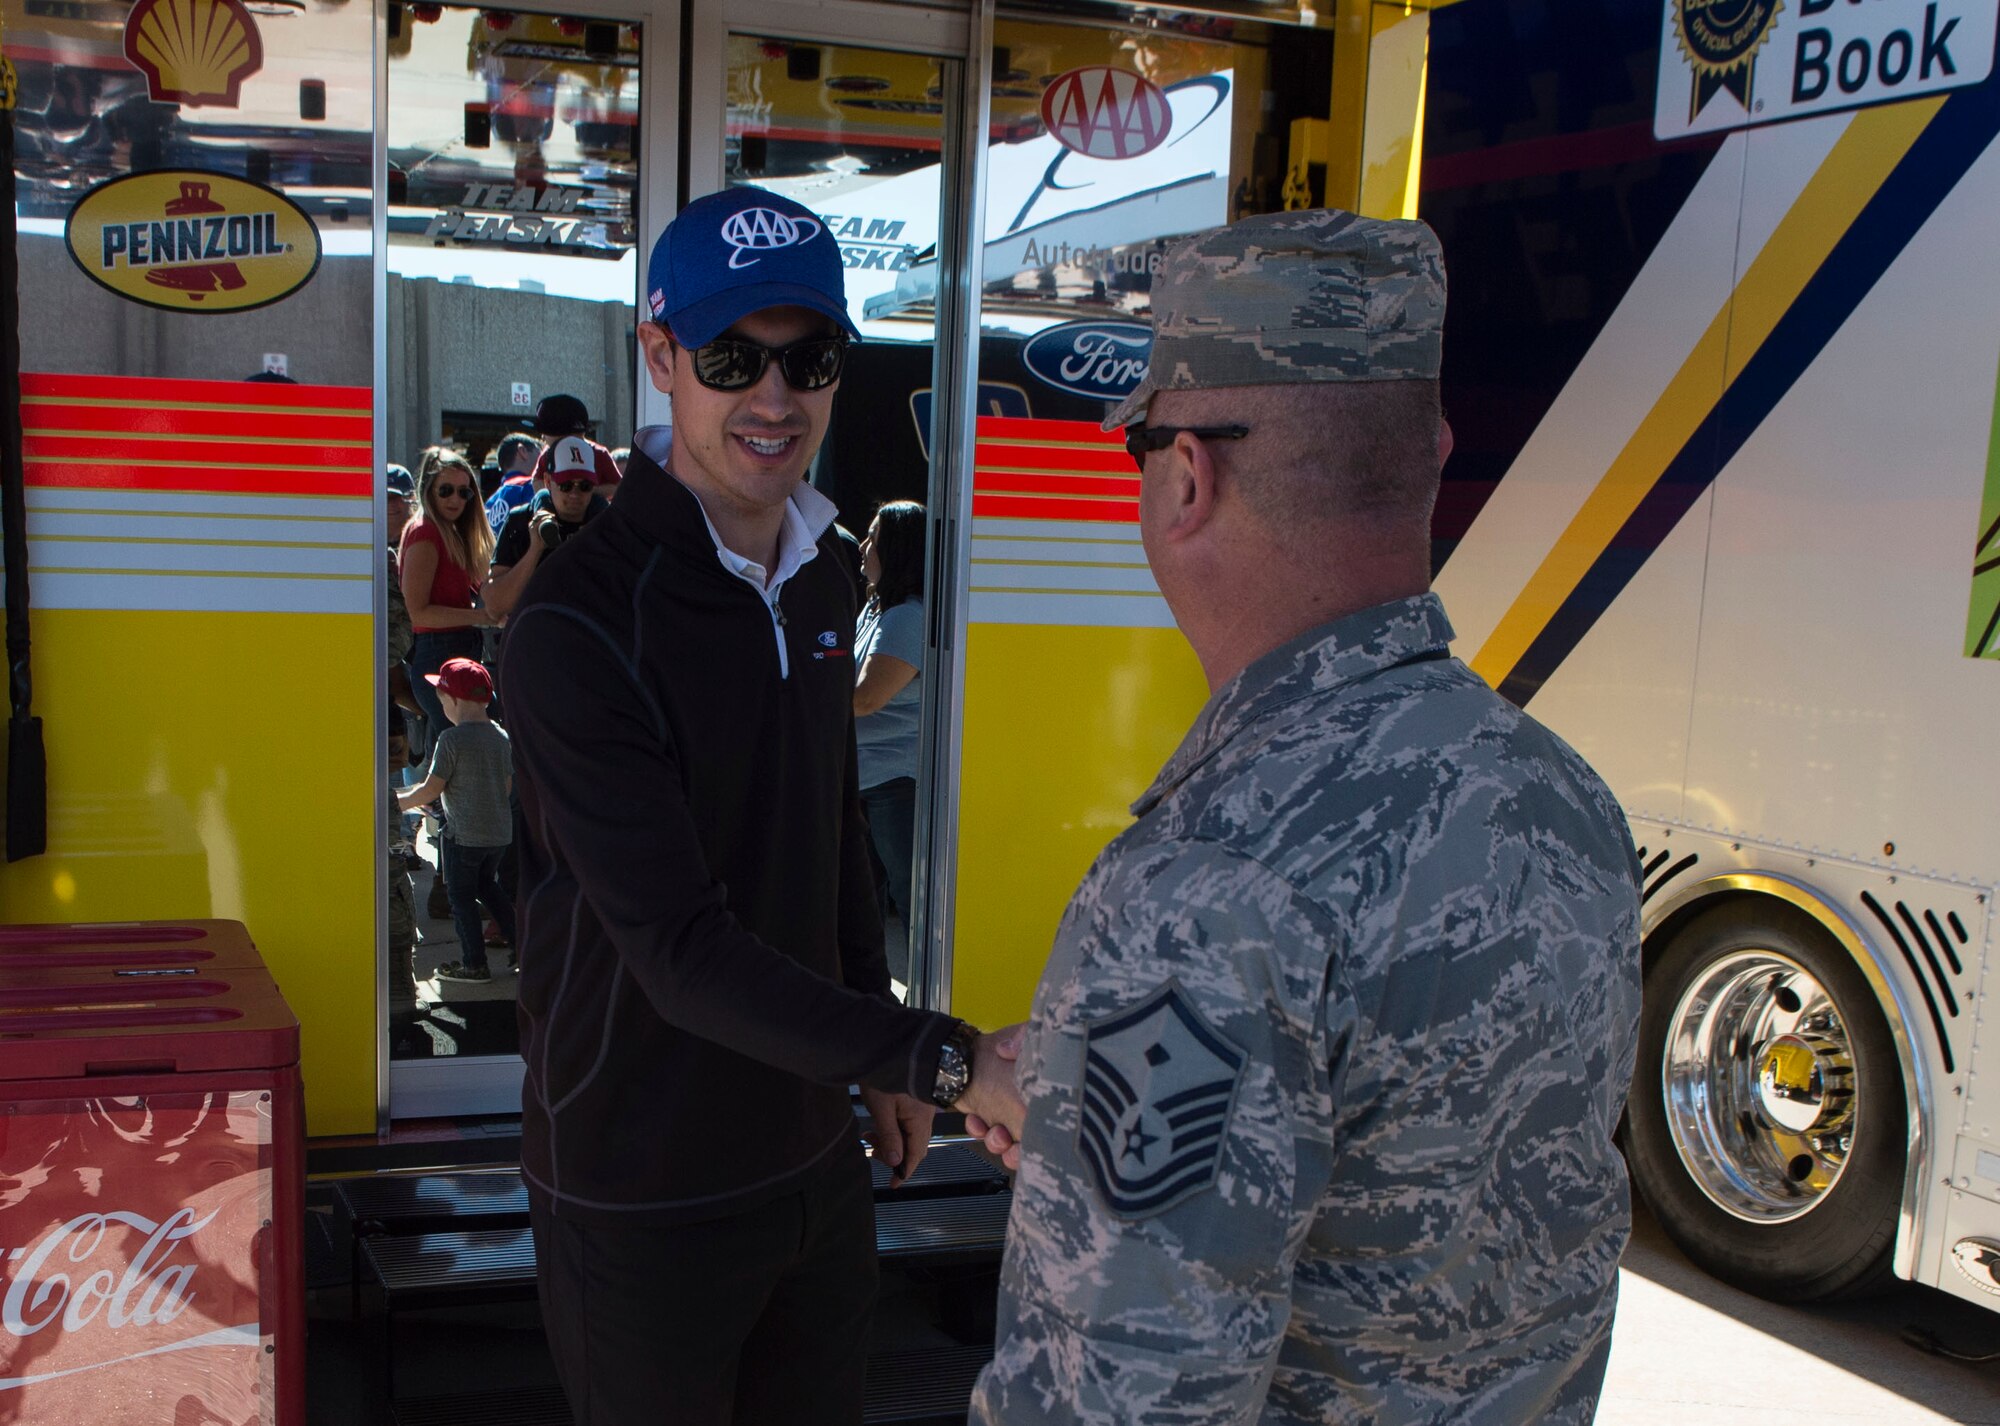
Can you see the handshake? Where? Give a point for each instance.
(992, 1105)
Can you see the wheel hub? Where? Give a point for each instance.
(1759, 1086)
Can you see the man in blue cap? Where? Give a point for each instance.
(702, 973)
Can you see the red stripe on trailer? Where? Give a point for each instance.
(206, 480)
(985, 482)
(226, 455)
(242, 395)
(1104, 460)
(1041, 430)
(52, 418)
(1033, 507)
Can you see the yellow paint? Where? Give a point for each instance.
(1853, 170)
(1064, 727)
(222, 764)
(1392, 139)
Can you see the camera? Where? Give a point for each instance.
(549, 535)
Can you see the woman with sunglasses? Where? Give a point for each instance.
(443, 562)
(888, 657)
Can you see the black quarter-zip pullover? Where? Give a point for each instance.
(701, 954)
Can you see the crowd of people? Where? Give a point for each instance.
(463, 544)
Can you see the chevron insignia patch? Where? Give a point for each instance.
(1159, 1083)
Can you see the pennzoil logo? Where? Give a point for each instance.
(188, 241)
(194, 52)
(1720, 39)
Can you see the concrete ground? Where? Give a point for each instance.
(1689, 1351)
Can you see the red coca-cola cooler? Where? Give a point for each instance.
(152, 1167)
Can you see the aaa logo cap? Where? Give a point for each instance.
(737, 252)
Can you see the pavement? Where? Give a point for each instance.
(1689, 1351)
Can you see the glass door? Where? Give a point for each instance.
(514, 156)
(859, 134)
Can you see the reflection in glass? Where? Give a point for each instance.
(513, 273)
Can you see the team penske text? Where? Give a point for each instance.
(207, 239)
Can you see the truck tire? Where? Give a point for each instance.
(1766, 1124)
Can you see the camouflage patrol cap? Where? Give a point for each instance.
(1288, 299)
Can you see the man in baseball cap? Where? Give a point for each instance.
(572, 474)
(705, 946)
(1331, 1045)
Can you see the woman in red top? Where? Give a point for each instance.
(444, 556)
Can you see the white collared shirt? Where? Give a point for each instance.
(807, 516)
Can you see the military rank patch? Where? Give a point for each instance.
(1159, 1083)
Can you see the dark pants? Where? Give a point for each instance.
(757, 1319)
(892, 826)
(472, 875)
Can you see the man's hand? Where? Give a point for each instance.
(901, 1133)
(993, 1107)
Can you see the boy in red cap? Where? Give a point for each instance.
(473, 769)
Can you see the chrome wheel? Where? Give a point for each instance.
(1758, 1086)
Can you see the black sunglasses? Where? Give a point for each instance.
(732, 364)
(445, 492)
(1141, 439)
(576, 487)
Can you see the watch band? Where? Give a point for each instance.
(954, 1069)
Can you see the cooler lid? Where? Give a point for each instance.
(138, 998)
(127, 943)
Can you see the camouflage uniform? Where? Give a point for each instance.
(1323, 1071)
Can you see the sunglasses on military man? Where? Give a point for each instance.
(732, 364)
(1140, 439)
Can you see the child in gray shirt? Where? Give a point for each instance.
(473, 769)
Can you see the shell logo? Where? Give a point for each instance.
(1101, 112)
(188, 241)
(194, 52)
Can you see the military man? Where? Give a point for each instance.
(1323, 1071)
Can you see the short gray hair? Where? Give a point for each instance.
(1330, 451)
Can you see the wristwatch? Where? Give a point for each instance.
(954, 1070)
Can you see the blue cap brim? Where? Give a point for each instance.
(702, 323)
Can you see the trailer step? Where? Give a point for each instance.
(419, 1203)
(902, 1387)
(923, 1386)
(412, 1203)
(435, 1268)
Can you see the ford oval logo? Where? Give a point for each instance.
(1103, 360)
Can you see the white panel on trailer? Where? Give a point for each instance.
(1834, 706)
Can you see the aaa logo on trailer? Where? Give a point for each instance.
(1101, 112)
(194, 52)
(193, 242)
(1725, 64)
(1103, 360)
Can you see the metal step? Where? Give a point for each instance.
(902, 1387)
(918, 1386)
(419, 1203)
(407, 1203)
(942, 1228)
(430, 1268)
(949, 1167)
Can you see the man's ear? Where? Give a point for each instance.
(1193, 483)
(656, 344)
(1444, 441)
